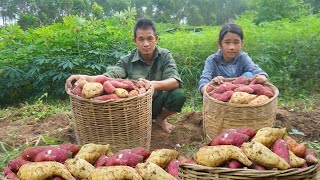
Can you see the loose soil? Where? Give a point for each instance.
(186, 138)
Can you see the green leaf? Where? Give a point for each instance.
(296, 132)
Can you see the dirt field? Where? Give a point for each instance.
(187, 137)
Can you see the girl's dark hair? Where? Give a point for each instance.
(144, 23)
(233, 28)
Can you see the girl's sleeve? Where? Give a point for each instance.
(207, 73)
(250, 66)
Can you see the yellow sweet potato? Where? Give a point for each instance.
(91, 152)
(122, 93)
(43, 170)
(259, 153)
(151, 171)
(114, 173)
(268, 135)
(296, 161)
(214, 156)
(259, 100)
(79, 168)
(92, 89)
(241, 98)
(162, 157)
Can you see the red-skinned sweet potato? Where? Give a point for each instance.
(124, 157)
(298, 149)
(74, 148)
(101, 161)
(129, 83)
(229, 137)
(215, 95)
(280, 147)
(108, 87)
(311, 157)
(30, 153)
(241, 80)
(142, 90)
(210, 88)
(101, 79)
(225, 86)
(118, 84)
(226, 96)
(53, 154)
(77, 91)
(234, 164)
(9, 174)
(133, 93)
(145, 153)
(257, 166)
(173, 168)
(251, 132)
(261, 90)
(244, 88)
(15, 164)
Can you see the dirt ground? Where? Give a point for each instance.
(186, 138)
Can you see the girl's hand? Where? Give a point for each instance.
(218, 79)
(261, 79)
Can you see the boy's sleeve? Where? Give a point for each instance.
(207, 74)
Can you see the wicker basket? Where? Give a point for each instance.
(194, 172)
(218, 115)
(122, 123)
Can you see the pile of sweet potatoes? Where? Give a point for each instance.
(241, 90)
(93, 162)
(263, 149)
(104, 88)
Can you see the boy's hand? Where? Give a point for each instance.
(218, 79)
(261, 79)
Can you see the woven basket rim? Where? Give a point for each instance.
(150, 90)
(246, 171)
(274, 88)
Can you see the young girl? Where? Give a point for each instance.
(229, 61)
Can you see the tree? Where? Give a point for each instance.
(97, 10)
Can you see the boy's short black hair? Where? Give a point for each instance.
(230, 27)
(144, 23)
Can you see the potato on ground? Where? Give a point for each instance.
(162, 157)
(91, 152)
(79, 168)
(114, 173)
(214, 156)
(151, 171)
(268, 135)
(43, 170)
(296, 161)
(259, 153)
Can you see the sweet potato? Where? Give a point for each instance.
(133, 93)
(101, 79)
(230, 137)
(143, 84)
(142, 90)
(244, 88)
(210, 88)
(77, 91)
(225, 97)
(225, 86)
(162, 157)
(91, 152)
(311, 157)
(80, 83)
(215, 95)
(145, 153)
(53, 154)
(43, 170)
(114, 173)
(256, 166)
(214, 156)
(260, 99)
(151, 171)
(79, 168)
(106, 97)
(30, 153)
(261, 90)
(124, 157)
(241, 98)
(122, 93)
(91, 90)
(268, 135)
(101, 161)
(280, 147)
(296, 148)
(259, 153)
(129, 83)
(108, 87)
(9, 174)
(241, 80)
(118, 84)
(74, 148)
(15, 164)
(249, 131)
(173, 168)
(296, 161)
(234, 164)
